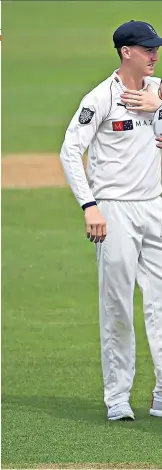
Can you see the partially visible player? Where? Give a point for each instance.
(121, 201)
(157, 126)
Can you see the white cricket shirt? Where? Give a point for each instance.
(123, 160)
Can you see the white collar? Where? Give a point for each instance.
(119, 82)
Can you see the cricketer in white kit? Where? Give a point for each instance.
(121, 200)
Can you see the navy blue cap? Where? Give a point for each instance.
(136, 33)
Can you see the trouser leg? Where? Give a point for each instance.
(150, 281)
(117, 267)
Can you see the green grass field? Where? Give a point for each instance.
(53, 407)
(52, 392)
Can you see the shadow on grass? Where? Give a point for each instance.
(81, 410)
(73, 408)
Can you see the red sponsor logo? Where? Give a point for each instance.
(123, 125)
(118, 126)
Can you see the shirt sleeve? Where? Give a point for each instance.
(92, 111)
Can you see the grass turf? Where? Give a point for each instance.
(53, 54)
(51, 375)
(52, 391)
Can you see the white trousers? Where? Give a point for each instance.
(131, 251)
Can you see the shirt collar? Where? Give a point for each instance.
(119, 82)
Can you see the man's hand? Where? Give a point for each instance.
(159, 144)
(95, 224)
(144, 100)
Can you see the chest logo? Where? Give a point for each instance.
(122, 125)
(120, 104)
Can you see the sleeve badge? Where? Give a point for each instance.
(86, 116)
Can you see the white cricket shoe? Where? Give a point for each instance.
(121, 411)
(156, 406)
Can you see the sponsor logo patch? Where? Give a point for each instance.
(160, 114)
(86, 116)
(122, 125)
